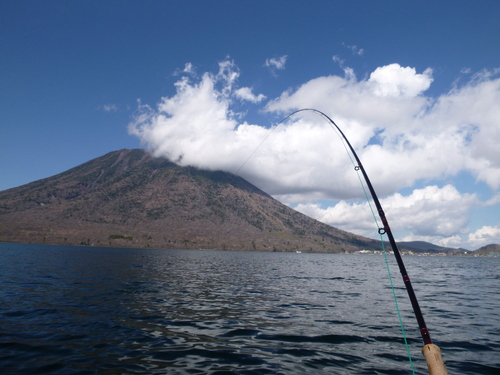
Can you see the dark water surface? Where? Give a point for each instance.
(83, 310)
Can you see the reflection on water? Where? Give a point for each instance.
(74, 310)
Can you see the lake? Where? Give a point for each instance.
(88, 310)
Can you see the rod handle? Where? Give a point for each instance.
(435, 363)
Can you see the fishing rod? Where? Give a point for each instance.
(431, 352)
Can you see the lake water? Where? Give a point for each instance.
(86, 310)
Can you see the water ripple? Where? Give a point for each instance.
(72, 310)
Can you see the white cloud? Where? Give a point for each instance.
(189, 68)
(400, 135)
(417, 137)
(196, 126)
(455, 241)
(245, 93)
(493, 201)
(485, 236)
(382, 100)
(396, 81)
(276, 63)
(348, 72)
(431, 212)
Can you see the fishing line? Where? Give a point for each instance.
(401, 324)
(254, 151)
(385, 229)
(430, 351)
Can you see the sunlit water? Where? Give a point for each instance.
(82, 310)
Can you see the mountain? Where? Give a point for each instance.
(127, 198)
(421, 245)
(488, 250)
(427, 247)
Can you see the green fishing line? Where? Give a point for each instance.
(388, 269)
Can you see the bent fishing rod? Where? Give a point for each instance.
(431, 352)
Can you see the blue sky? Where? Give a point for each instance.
(414, 85)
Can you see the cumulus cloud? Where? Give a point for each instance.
(396, 81)
(430, 212)
(401, 135)
(245, 93)
(485, 236)
(196, 126)
(399, 131)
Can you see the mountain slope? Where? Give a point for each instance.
(128, 198)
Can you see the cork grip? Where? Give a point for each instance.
(435, 363)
